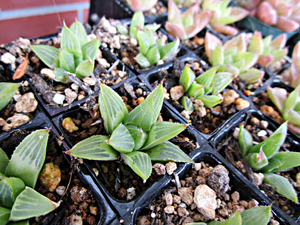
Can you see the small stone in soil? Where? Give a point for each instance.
(205, 199)
(171, 167)
(15, 121)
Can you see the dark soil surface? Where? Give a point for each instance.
(77, 203)
(115, 175)
(175, 207)
(229, 148)
(214, 117)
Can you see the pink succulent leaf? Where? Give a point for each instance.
(265, 60)
(174, 13)
(256, 44)
(274, 3)
(278, 96)
(294, 129)
(237, 41)
(295, 17)
(279, 42)
(248, 4)
(176, 30)
(295, 67)
(253, 12)
(251, 76)
(224, 29)
(211, 41)
(284, 10)
(238, 13)
(287, 25)
(235, 14)
(188, 17)
(266, 13)
(141, 5)
(200, 21)
(207, 3)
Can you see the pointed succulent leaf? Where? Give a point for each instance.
(66, 60)
(236, 14)
(238, 42)
(176, 30)
(257, 160)
(142, 116)
(228, 59)
(217, 57)
(158, 97)
(210, 100)
(293, 117)
(60, 75)
(256, 44)
(282, 186)
(251, 76)
(139, 136)
(169, 49)
(249, 57)
(256, 215)
(283, 128)
(266, 43)
(230, 69)
(291, 107)
(112, 108)
(94, 148)
(79, 31)
(295, 67)
(3, 161)
(84, 69)
(187, 104)
(195, 90)
(278, 96)
(29, 204)
(70, 42)
(152, 27)
(211, 41)
(48, 54)
(167, 151)
(173, 13)
(4, 215)
(10, 188)
(162, 131)
(141, 5)
(265, 60)
(279, 42)
(270, 146)
(122, 30)
(139, 162)
(288, 160)
(200, 20)
(272, 165)
(286, 24)
(28, 158)
(207, 90)
(239, 64)
(187, 77)
(207, 77)
(137, 23)
(142, 61)
(7, 91)
(153, 55)
(121, 139)
(144, 41)
(221, 80)
(245, 140)
(231, 51)
(235, 219)
(279, 54)
(89, 50)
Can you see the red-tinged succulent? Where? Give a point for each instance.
(222, 15)
(187, 24)
(285, 15)
(295, 67)
(187, 3)
(141, 5)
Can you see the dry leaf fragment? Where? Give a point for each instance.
(20, 71)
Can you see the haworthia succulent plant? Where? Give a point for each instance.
(266, 158)
(76, 55)
(131, 133)
(3, 161)
(7, 92)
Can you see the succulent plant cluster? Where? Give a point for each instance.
(239, 56)
(76, 54)
(266, 158)
(136, 136)
(205, 87)
(18, 176)
(284, 15)
(141, 5)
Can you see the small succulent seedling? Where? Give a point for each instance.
(294, 80)
(256, 215)
(188, 24)
(7, 92)
(136, 136)
(266, 158)
(222, 15)
(270, 51)
(205, 87)
(76, 54)
(18, 176)
(151, 50)
(141, 5)
(287, 104)
(233, 57)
